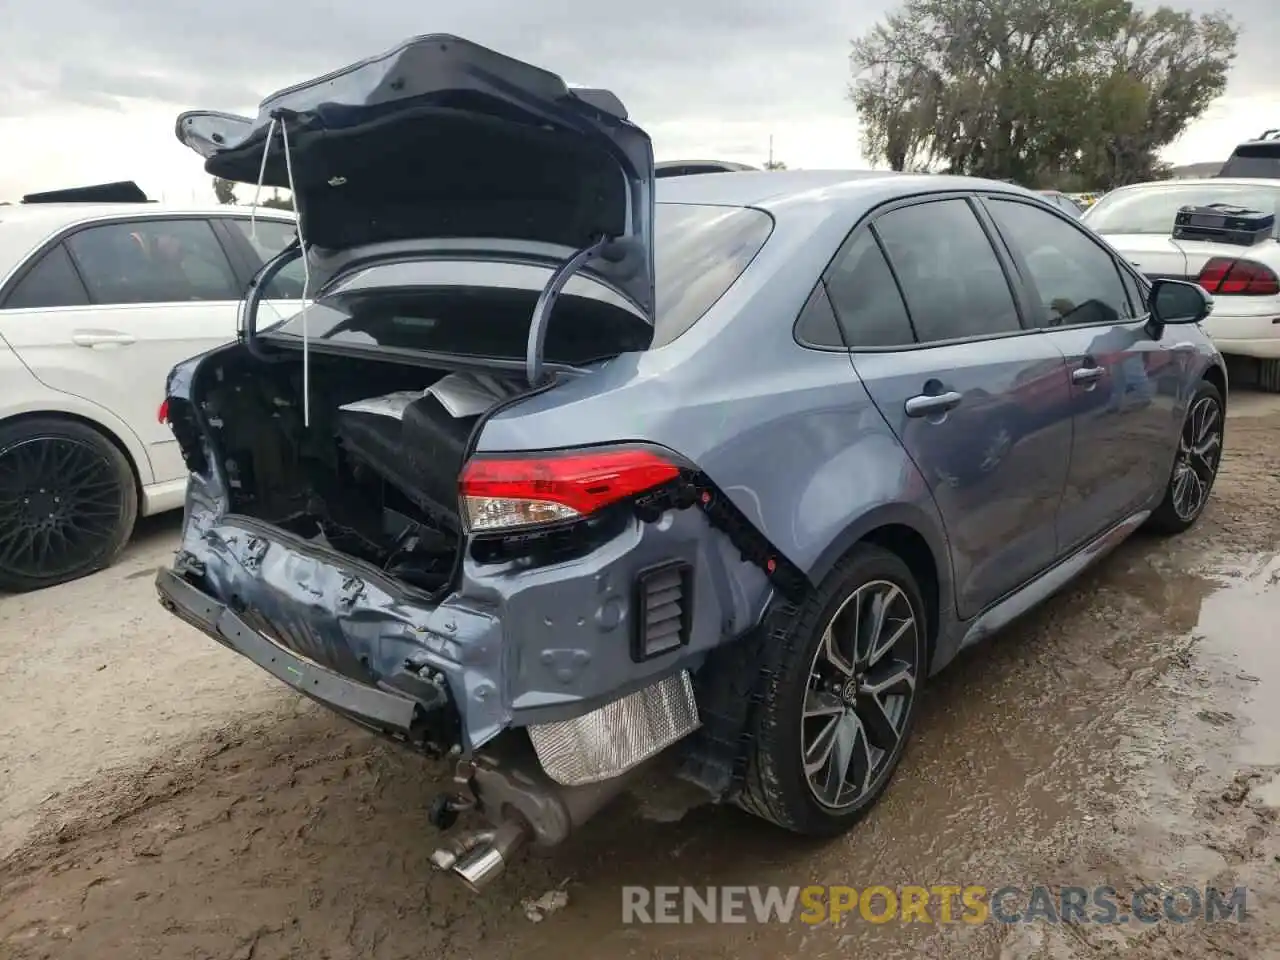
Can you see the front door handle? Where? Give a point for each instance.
(98, 338)
(931, 403)
(1088, 374)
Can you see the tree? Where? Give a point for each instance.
(277, 202)
(224, 190)
(774, 165)
(1036, 90)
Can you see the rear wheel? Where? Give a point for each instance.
(1195, 466)
(840, 690)
(67, 502)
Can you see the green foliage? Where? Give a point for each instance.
(1037, 91)
(224, 190)
(774, 165)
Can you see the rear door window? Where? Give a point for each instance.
(866, 299)
(948, 271)
(267, 238)
(52, 282)
(153, 261)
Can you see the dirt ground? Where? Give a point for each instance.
(161, 798)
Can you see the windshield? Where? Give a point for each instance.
(1152, 209)
(483, 308)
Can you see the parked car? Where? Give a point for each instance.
(559, 487)
(1255, 158)
(1062, 201)
(98, 301)
(1243, 275)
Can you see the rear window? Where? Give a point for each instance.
(1152, 210)
(483, 309)
(1254, 160)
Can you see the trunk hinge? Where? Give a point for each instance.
(546, 303)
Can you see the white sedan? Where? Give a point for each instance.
(1138, 221)
(98, 301)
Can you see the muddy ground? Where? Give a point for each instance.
(160, 798)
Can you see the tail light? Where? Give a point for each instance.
(1223, 276)
(163, 414)
(509, 491)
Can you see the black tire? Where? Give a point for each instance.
(68, 501)
(777, 787)
(1172, 516)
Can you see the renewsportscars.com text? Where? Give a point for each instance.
(939, 903)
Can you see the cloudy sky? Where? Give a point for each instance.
(89, 88)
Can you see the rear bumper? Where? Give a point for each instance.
(1251, 330)
(514, 645)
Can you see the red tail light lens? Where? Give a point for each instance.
(1223, 276)
(505, 492)
(163, 414)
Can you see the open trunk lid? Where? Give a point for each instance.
(444, 141)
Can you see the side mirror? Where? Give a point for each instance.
(1177, 301)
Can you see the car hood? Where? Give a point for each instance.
(441, 139)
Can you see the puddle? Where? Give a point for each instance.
(1240, 627)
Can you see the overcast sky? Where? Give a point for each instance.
(89, 88)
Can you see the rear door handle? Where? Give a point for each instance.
(1088, 374)
(930, 403)
(98, 338)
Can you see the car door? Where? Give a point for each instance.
(1124, 381)
(107, 310)
(936, 336)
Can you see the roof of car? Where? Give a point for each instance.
(832, 188)
(1201, 182)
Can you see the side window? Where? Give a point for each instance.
(153, 261)
(50, 283)
(268, 239)
(950, 276)
(866, 299)
(816, 326)
(1077, 280)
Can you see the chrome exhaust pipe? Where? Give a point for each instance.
(510, 785)
(477, 859)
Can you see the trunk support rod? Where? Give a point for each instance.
(533, 365)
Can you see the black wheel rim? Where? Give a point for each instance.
(861, 686)
(60, 505)
(1199, 452)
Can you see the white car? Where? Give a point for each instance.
(1138, 221)
(98, 301)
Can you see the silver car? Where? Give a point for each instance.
(559, 474)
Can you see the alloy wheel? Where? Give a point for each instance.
(60, 503)
(858, 698)
(1199, 452)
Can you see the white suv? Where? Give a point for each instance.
(97, 303)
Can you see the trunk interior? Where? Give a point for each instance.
(374, 476)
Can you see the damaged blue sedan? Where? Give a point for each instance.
(556, 469)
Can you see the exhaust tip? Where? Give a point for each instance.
(479, 868)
